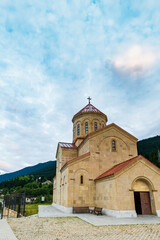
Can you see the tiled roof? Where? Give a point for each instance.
(120, 166)
(89, 108)
(67, 145)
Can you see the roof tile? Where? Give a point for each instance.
(67, 145)
(89, 108)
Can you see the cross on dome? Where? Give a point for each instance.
(89, 99)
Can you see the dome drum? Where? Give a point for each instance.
(87, 120)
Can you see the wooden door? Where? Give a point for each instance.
(145, 203)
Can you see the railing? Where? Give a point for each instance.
(13, 205)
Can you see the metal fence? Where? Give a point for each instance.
(14, 202)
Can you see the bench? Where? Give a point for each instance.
(80, 209)
(97, 211)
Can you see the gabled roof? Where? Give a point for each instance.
(67, 145)
(110, 125)
(77, 158)
(89, 108)
(106, 127)
(120, 166)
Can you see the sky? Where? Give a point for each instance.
(54, 54)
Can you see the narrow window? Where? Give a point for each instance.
(86, 127)
(81, 179)
(113, 145)
(95, 126)
(102, 125)
(78, 129)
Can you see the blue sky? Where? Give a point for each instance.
(54, 54)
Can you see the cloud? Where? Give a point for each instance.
(135, 61)
(6, 166)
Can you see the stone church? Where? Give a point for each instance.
(101, 167)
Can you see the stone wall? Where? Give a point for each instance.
(100, 147)
(80, 194)
(8, 213)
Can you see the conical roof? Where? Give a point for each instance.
(89, 108)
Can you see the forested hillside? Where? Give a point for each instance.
(47, 169)
(30, 185)
(149, 149)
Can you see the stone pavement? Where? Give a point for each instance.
(50, 211)
(5, 231)
(69, 228)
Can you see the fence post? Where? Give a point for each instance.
(24, 202)
(19, 206)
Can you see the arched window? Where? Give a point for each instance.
(78, 129)
(95, 126)
(86, 127)
(81, 179)
(113, 145)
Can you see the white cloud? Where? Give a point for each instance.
(135, 61)
(6, 166)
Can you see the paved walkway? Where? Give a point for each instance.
(5, 231)
(50, 211)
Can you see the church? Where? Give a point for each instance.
(101, 168)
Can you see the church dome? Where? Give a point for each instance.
(89, 108)
(87, 120)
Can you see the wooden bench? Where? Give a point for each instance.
(80, 209)
(97, 211)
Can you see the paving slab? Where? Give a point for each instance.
(50, 211)
(106, 220)
(6, 232)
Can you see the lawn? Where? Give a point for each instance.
(31, 209)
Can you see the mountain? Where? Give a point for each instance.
(149, 148)
(47, 169)
(148, 145)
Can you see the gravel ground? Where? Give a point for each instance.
(35, 228)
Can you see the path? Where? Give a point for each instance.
(50, 211)
(5, 231)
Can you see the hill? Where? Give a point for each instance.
(148, 145)
(47, 169)
(149, 149)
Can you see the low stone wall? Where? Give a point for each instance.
(9, 213)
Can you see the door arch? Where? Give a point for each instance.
(143, 196)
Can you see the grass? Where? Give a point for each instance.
(31, 209)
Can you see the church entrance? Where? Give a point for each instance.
(142, 203)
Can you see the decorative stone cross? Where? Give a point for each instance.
(89, 99)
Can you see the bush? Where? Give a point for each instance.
(48, 199)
